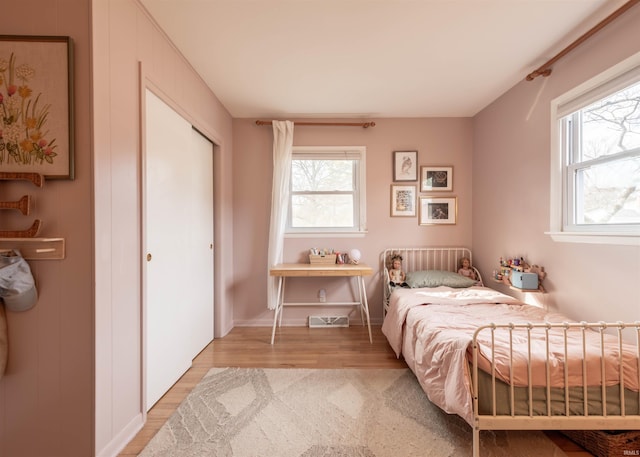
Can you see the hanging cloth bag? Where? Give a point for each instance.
(17, 286)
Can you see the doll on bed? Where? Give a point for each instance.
(396, 275)
(466, 269)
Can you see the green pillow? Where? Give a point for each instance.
(436, 278)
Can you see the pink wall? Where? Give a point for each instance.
(438, 142)
(46, 395)
(64, 395)
(128, 48)
(73, 383)
(511, 188)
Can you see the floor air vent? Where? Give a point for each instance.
(328, 321)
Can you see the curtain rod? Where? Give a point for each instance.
(544, 69)
(364, 125)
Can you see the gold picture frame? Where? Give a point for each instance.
(403, 201)
(436, 179)
(438, 210)
(36, 94)
(405, 166)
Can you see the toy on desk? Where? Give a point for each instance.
(327, 256)
(354, 256)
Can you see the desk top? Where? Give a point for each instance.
(307, 269)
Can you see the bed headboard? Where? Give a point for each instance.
(415, 259)
(421, 258)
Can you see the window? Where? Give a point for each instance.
(327, 190)
(596, 159)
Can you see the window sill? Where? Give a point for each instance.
(595, 238)
(326, 235)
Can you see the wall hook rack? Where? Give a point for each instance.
(25, 241)
(35, 248)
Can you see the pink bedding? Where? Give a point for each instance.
(402, 300)
(436, 339)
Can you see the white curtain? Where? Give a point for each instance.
(282, 151)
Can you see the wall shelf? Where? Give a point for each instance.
(539, 290)
(36, 248)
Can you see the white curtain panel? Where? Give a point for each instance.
(282, 151)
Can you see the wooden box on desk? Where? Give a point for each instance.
(326, 259)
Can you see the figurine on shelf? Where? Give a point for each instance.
(396, 275)
(465, 268)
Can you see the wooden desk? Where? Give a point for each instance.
(297, 270)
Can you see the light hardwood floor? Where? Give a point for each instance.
(294, 347)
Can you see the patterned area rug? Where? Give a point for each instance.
(292, 412)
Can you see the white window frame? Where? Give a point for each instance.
(360, 192)
(561, 228)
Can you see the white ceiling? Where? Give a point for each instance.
(369, 58)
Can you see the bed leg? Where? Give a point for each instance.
(476, 442)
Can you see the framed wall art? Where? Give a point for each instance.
(405, 165)
(436, 179)
(403, 200)
(436, 210)
(36, 94)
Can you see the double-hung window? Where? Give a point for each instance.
(327, 193)
(596, 159)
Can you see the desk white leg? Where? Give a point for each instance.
(278, 310)
(359, 284)
(365, 302)
(283, 282)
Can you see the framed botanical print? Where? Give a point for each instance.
(436, 179)
(403, 200)
(36, 94)
(435, 210)
(405, 165)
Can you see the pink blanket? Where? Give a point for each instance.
(436, 339)
(402, 300)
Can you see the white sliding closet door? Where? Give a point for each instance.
(200, 243)
(178, 236)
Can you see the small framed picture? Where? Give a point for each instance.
(405, 165)
(436, 179)
(403, 201)
(436, 210)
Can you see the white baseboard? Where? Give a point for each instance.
(295, 322)
(120, 441)
(301, 322)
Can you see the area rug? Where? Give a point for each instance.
(293, 412)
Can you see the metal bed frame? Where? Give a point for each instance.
(447, 258)
(551, 419)
(416, 259)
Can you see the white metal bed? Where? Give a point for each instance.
(500, 404)
(415, 259)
